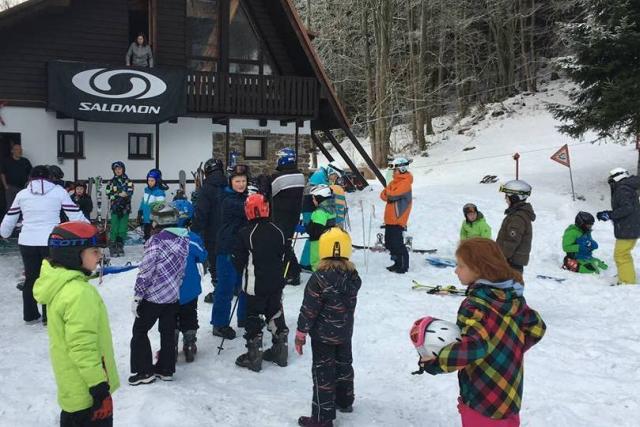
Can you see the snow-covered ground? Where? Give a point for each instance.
(583, 373)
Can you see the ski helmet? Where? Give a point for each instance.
(286, 156)
(69, 239)
(618, 174)
(468, 208)
(185, 211)
(321, 192)
(164, 214)
(155, 174)
(430, 335)
(333, 170)
(212, 165)
(256, 206)
(584, 220)
(118, 164)
(516, 190)
(56, 172)
(334, 243)
(40, 172)
(400, 163)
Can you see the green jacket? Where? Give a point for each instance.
(80, 344)
(477, 228)
(571, 234)
(322, 219)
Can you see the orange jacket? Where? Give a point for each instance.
(398, 198)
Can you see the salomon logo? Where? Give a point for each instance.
(96, 82)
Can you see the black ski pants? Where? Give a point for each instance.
(187, 316)
(83, 419)
(292, 260)
(210, 246)
(141, 357)
(332, 373)
(394, 242)
(269, 306)
(32, 257)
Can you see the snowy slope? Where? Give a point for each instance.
(583, 373)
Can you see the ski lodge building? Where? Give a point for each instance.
(229, 77)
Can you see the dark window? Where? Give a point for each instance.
(66, 144)
(243, 42)
(255, 148)
(204, 34)
(140, 145)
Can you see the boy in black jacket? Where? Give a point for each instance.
(327, 316)
(82, 199)
(265, 244)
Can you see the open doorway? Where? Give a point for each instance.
(139, 20)
(7, 139)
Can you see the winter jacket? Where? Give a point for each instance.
(322, 219)
(80, 344)
(328, 306)
(516, 233)
(206, 219)
(340, 200)
(397, 194)
(151, 196)
(119, 184)
(191, 287)
(497, 328)
(260, 248)
(84, 203)
(232, 219)
(319, 177)
(139, 56)
(625, 208)
(287, 187)
(163, 266)
(477, 228)
(40, 204)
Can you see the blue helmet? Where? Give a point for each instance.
(118, 164)
(286, 156)
(185, 211)
(155, 174)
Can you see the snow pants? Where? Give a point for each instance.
(83, 419)
(187, 316)
(229, 282)
(146, 230)
(269, 306)
(119, 227)
(210, 246)
(32, 257)
(394, 242)
(624, 260)
(141, 356)
(332, 373)
(473, 418)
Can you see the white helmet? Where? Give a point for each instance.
(400, 163)
(430, 335)
(618, 173)
(517, 188)
(321, 190)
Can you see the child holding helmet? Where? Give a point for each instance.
(496, 328)
(326, 314)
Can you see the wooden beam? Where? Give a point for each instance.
(321, 147)
(344, 156)
(365, 156)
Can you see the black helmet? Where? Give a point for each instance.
(56, 172)
(584, 220)
(69, 239)
(40, 172)
(118, 164)
(469, 207)
(212, 165)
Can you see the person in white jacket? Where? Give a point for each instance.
(40, 204)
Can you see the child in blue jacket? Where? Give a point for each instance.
(153, 193)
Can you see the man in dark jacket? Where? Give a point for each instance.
(625, 214)
(206, 219)
(516, 232)
(14, 173)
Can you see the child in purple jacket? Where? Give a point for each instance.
(156, 296)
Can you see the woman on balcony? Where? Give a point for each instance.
(139, 53)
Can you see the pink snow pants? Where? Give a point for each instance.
(473, 418)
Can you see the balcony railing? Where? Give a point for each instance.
(250, 95)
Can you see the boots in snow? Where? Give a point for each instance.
(279, 351)
(225, 332)
(252, 359)
(189, 345)
(310, 422)
(113, 249)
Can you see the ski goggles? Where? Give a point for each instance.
(504, 189)
(417, 335)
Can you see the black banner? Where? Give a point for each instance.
(99, 93)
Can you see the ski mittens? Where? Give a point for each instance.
(301, 340)
(603, 215)
(102, 407)
(135, 304)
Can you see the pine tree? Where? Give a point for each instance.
(605, 65)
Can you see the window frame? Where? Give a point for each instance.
(60, 147)
(263, 147)
(138, 156)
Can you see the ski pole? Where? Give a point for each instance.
(233, 310)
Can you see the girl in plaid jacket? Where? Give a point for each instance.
(497, 328)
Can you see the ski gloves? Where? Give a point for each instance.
(102, 407)
(603, 215)
(134, 306)
(301, 339)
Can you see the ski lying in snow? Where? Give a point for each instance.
(115, 269)
(441, 262)
(438, 289)
(376, 248)
(557, 279)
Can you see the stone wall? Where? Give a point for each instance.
(274, 143)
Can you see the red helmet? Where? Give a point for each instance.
(256, 206)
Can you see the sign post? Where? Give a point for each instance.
(516, 157)
(562, 156)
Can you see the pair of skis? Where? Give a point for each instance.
(379, 246)
(438, 289)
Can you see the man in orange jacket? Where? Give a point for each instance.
(397, 194)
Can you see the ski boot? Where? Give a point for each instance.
(310, 422)
(189, 345)
(113, 249)
(208, 298)
(252, 359)
(279, 351)
(225, 332)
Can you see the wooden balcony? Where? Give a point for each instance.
(251, 96)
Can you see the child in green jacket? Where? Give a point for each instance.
(579, 246)
(322, 219)
(474, 224)
(80, 344)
